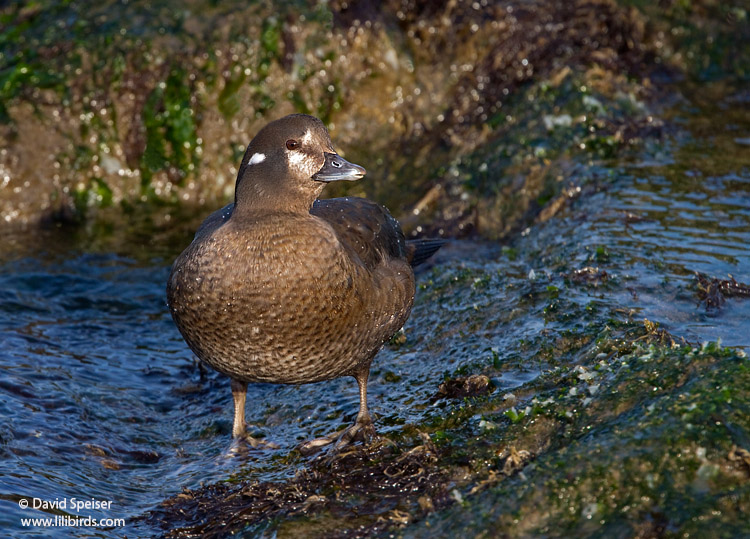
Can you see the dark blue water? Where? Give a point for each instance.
(95, 388)
(101, 399)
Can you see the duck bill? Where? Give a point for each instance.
(337, 168)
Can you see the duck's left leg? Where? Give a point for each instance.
(239, 394)
(362, 431)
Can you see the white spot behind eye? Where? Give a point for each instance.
(257, 158)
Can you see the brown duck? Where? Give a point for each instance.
(280, 287)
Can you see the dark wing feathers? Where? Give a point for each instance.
(363, 225)
(418, 251)
(215, 220)
(372, 232)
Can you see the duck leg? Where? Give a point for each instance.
(239, 393)
(362, 430)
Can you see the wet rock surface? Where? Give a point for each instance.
(575, 362)
(109, 107)
(370, 489)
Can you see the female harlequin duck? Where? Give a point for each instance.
(281, 287)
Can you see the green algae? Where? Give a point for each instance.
(541, 110)
(158, 74)
(597, 424)
(229, 103)
(171, 134)
(671, 437)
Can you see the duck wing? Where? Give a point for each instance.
(215, 220)
(364, 227)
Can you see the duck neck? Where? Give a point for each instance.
(258, 197)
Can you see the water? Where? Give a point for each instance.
(100, 397)
(690, 224)
(652, 232)
(92, 391)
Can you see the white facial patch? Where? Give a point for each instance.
(257, 158)
(301, 162)
(296, 159)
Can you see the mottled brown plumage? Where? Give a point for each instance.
(280, 287)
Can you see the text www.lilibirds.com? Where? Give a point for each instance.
(75, 505)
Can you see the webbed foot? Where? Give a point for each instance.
(256, 443)
(361, 431)
(245, 444)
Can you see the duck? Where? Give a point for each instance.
(282, 287)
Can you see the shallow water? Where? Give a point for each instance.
(100, 397)
(651, 235)
(685, 210)
(702, 228)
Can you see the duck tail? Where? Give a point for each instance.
(418, 251)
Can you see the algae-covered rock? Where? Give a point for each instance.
(108, 105)
(656, 450)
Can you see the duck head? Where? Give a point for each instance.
(287, 164)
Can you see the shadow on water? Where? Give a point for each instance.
(102, 399)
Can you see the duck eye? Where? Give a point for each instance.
(291, 144)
